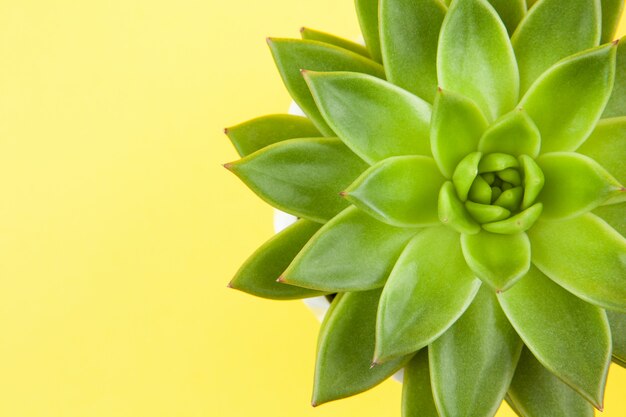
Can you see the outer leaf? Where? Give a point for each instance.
(257, 276)
(607, 146)
(535, 392)
(574, 184)
(472, 363)
(256, 134)
(617, 103)
(611, 13)
(373, 117)
(475, 57)
(417, 396)
(614, 215)
(618, 333)
(498, 260)
(456, 128)
(591, 261)
(316, 35)
(514, 133)
(339, 257)
(541, 40)
(409, 31)
(302, 177)
(345, 348)
(367, 12)
(567, 100)
(428, 289)
(401, 191)
(511, 12)
(293, 55)
(567, 335)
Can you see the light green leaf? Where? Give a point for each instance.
(316, 35)
(616, 106)
(618, 333)
(535, 392)
(339, 257)
(345, 348)
(256, 134)
(374, 118)
(567, 100)
(302, 177)
(541, 40)
(611, 13)
(367, 12)
(511, 12)
(409, 31)
(498, 260)
(517, 223)
(574, 184)
(257, 276)
(591, 261)
(530, 3)
(607, 146)
(401, 191)
(429, 288)
(514, 134)
(473, 362)
(465, 173)
(475, 57)
(533, 180)
(456, 128)
(292, 56)
(614, 215)
(417, 396)
(485, 213)
(568, 336)
(453, 213)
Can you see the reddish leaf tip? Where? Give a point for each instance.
(374, 364)
(615, 42)
(226, 131)
(303, 71)
(229, 285)
(228, 166)
(268, 40)
(343, 193)
(281, 279)
(302, 29)
(313, 404)
(439, 89)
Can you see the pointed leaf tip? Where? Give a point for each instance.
(226, 131)
(228, 166)
(374, 364)
(343, 193)
(229, 285)
(281, 279)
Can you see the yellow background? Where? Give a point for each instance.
(119, 229)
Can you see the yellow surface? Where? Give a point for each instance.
(119, 229)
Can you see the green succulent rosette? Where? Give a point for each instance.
(458, 184)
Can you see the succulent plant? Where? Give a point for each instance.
(458, 188)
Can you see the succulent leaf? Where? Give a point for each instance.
(568, 336)
(614, 216)
(536, 392)
(567, 100)
(475, 57)
(617, 322)
(302, 177)
(367, 12)
(401, 191)
(374, 118)
(511, 12)
(616, 106)
(473, 362)
(591, 261)
(417, 395)
(429, 288)
(534, 180)
(452, 212)
(293, 55)
(465, 173)
(513, 134)
(517, 223)
(345, 348)
(611, 13)
(339, 256)
(257, 276)
(409, 32)
(316, 35)
(541, 40)
(607, 146)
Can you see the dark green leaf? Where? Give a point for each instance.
(514, 134)
(616, 106)
(345, 349)
(618, 334)
(607, 146)
(511, 12)
(316, 35)
(302, 177)
(611, 13)
(374, 118)
(417, 396)
(367, 12)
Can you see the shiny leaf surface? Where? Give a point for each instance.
(452, 212)
(513, 134)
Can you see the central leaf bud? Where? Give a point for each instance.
(496, 191)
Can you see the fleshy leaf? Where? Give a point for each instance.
(591, 261)
(465, 173)
(485, 213)
(456, 128)
(316, 35)
(473, 362)
(541, 40)
(607, 146)
(567, 335)
(611, 13)
(616, 106)
(518, 223)
(257, 276)
(533, 180)
(409, 31)
(429, 288)
(614, 215)
(345, 348)
(452, 212)
(567, 100)
(293, 55)
(339, 257)
(574, 184)
(256, 134)
(536, 392)
(514, 134)
(511, 12)
(498, 260)
(401, 191)
(367, 12)
(417, 395)
(475, 57)
(302, 177)
(374, 118)
(618, 333)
